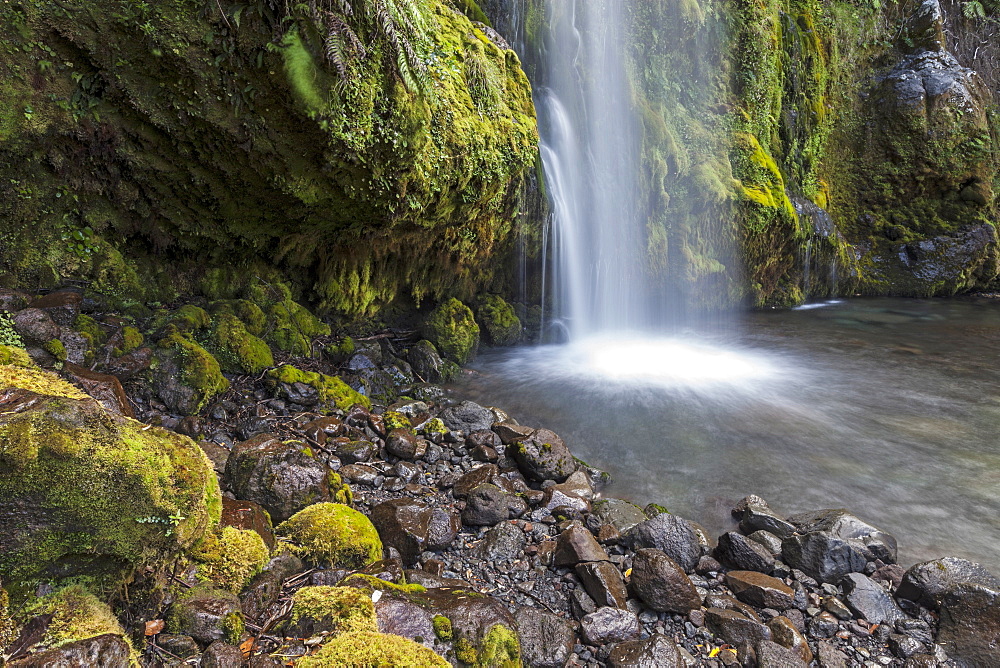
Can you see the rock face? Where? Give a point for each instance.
(760, 590)
(661, 584)
(927, 583)
(970, 624)
(870, 601)
(282, 477)
(608, 625)
(822, 555)
(84, 492)
(412, 526)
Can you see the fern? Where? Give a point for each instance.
(973, 9)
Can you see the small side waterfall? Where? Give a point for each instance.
(591, 151)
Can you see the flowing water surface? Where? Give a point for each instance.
(888, 407)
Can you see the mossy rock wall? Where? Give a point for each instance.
(141, 143)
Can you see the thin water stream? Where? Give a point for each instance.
(888, 407)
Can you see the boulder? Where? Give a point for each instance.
(546, 639)
(928, 582)
(869, 600)
(207, 614)
(87, 493)
(488, 473)
(662, 584)
(772, 655)
(872, 542)
(760, 590)
(734, 628)
(402, 443)
(575, 545)
(221, 655)
(671, 534)
(757, 518)
(604, 583)
(427, 363)
(104, 650)
(333, 535)
(656, 651)
(823, 556)
(969, 629)
(467, 417)
(412, 526)
(618, 513)
(283, 477)
(737, 551)
(784, 632)
(486, 505)
(504, 542)
(608, 625)
(105, 388)
(543, 456)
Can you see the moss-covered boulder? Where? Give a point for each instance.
(8, 628)
(91, 495)
(453, 329)
(76, 614)
(367, 648)
(235, 348)
(186, 376)
(333, 535)
(333, 610)
(498, 319)
(312, 388)
(230, 558)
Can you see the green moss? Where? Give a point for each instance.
(453, 330)
(55, 348)
(199, 370)
(434, 426)
(466, 652)
(302, 72)
(186, 612)
(497, 317)
(332, 535)
(91, 331)
(335, 610)
(235, 348)
(442, 628)
(654, 509)
(373, 650)
(500, 647)
(131, 339)
(395, 420)
(233, 628)
(189, 318)
(372, 583)
(341, 350)
(332, 390)
(249, 313)
(291, 327)
(15, 356)
(8, 628)
(340, 491)
(112, 495)
(230, 559)
(76, 615)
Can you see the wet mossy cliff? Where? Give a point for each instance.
(363, 156)
(803, 148)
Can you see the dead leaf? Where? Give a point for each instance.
(154, 626)
(247, 646)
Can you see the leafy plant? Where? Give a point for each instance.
(8, 335)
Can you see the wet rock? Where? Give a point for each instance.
(35, 326)
(737, 551)
(785, 633)
(62, 306)
(970, 624)
(467, 417)
(412, 527)
(576, 545)
(104, 650)
(581, 604)
(546, 639)
(870, 541)
(504, 542)
(221, 655)
(248, 515)
(670, 534)
(356, 452)
(105, 388)
(488, 474)
(401, 443)
(282, 477)
(510, 432)
(620, 514)
(179, 645)
(771, 542)
(830, 657)
(927, 583)
(576, 493)
(604, 583)
(823, 556)
(925, 27)
(823, 625)
(661, 583)
(772, 655)
(608, 625)
(486, 505)
(735, 628)
(760, 590)
(217, 454)
(656, 651)
(756, 518)
(13, 300)
(837, 608)
(359, 473)
(869, 600)
(904, 646)
(726, 602)
(427, 363)
(543, 456)
(207, 615)
(131, 364)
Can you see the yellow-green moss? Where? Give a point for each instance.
(291, 327)
(110, 495)
(372, 583)
(434, 426)
(8, 628)
(334, 609)
(231, 558)
(55, 348)
(190, 318)
(253, 316)
(90, 330)
(466, 652)
(181, 618)
(452, 328)
(333, 535)
(395, 420)
(497, 317)
(131, 339)
(340, 491)
(22, 373)
(500, 647)
(332, 390)
(373, 650)
(236, 349)
(442, 628)
(76, 615)
(199, 369)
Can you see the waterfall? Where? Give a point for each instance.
(591, 151)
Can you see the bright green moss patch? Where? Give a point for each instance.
(131, 339)
(291, 327)
(15, 356)
(497, 317)
(466, 652)
(107, 494)
(76, 615)
(235, 348)
(373, 650)
(55, 348)
(189, 318)
(231, 558)
(395, 420)
(500, 647)
(249, 313)
(90, 330)
(372, 583)
(332, 390)
(442, 628)
(335, 610)
(199, 370)
(332, 535)
(452, 328)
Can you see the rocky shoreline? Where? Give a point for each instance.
(452, 526)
